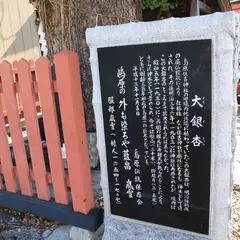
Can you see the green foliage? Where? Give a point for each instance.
(163, 5)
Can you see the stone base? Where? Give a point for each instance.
(122, 230)
(82, 234)
(79, 233)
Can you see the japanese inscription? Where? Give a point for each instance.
(156, 101)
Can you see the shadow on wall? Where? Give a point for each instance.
(18, 31)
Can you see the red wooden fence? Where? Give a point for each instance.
(24, 82)
(18, 97)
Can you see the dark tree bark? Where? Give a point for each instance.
(65, 22)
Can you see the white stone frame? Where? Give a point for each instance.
(223, 30)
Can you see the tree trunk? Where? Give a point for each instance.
(65, 22)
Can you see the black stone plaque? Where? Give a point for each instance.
(156, 101)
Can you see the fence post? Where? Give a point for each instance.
(72, 112)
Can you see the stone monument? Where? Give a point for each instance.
(164, 101)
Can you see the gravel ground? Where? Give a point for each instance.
(236, 192)
(20, 226)
(15, 227)
(236, 214)
(21, 234)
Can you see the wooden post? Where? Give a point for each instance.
(72, 112)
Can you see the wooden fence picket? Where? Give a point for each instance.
(3, 102)
(34, 140)
(19, 100)
(45, 85)
(72, 112)
(6, 160)
(16, 129)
